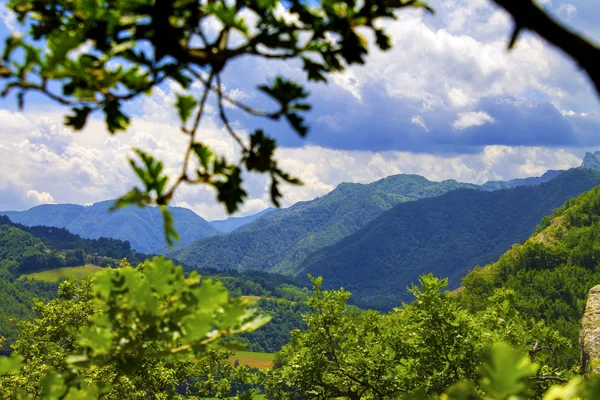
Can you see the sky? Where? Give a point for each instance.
(448, 101)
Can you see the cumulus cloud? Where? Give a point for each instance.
(39, 198)
(471, 119)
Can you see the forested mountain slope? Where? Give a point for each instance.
(551, 273)
(142, 227)
(445, 235)
(281, 240)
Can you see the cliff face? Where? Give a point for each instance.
(589, 336)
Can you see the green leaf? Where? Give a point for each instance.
(115, 119)
(134, 196)
(204, 154)
(506, 372)
(262, 149)
(185, 105)
(77, 121)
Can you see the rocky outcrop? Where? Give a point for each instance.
(589, 335)
(591, 160)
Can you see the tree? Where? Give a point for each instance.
(425, 347)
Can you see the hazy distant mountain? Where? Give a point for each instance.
(282, 239)
(495, 185)
(445, 235)
(232, 223)
(59, 215)
(142, 227)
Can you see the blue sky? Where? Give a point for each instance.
(448, 102)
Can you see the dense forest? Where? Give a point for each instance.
(533, 296)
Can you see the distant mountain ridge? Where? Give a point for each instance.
(282, 239)
(141, 227)
(513, 183)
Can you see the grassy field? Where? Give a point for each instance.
(52, 275)
(256, 360)
(251, 299)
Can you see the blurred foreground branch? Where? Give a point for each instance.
(527, 15)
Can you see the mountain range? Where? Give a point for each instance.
(141, 227)
(445, 235)
(374, 239)
(281, 240)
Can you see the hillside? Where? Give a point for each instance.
(142, 227)
(551, 273)
(445, 235)
(281, 240)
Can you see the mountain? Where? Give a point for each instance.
(232, 223)
(142, 227)
(282, 239)
(549, 275)
(591, 160)
(496, 185)
(59, 215)
(445, 235)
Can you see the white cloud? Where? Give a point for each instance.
(571, 113)
(471, 119)
(462, 62)
(92, 166)
(39, 197)
(567, 9)
(419, 121)
(450, 67)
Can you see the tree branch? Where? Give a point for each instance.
(527, 15)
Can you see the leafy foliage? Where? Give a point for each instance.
(129, 333)
(418, 351)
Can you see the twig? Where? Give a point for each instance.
(188, 152)
(224, 116)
